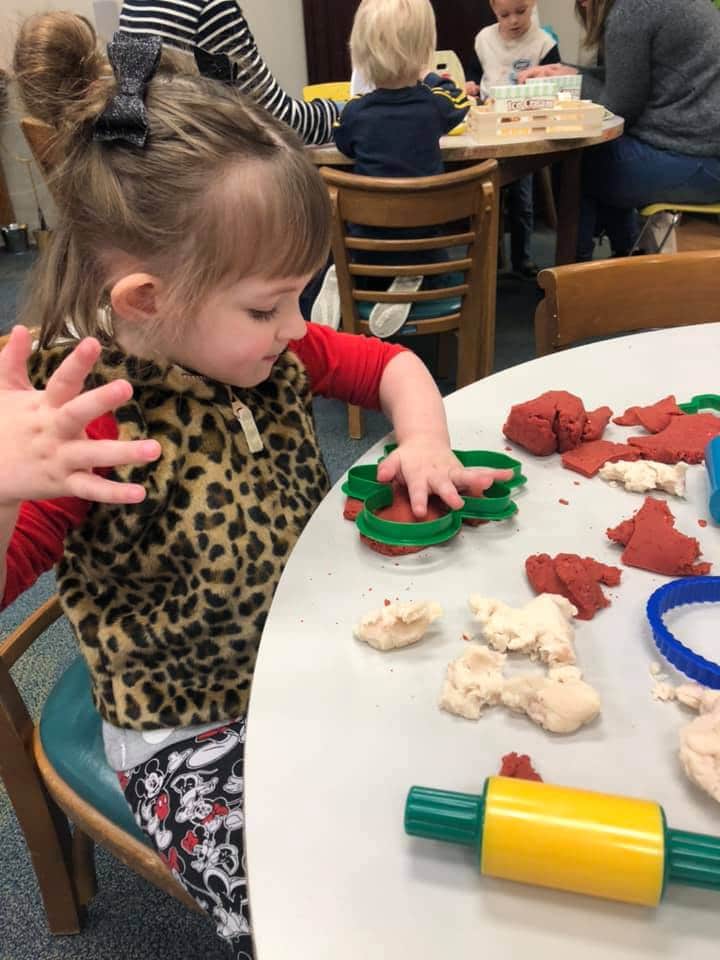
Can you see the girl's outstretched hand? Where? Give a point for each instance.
(45, 450)
(426, 466)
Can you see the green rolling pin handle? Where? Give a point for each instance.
(692, 859)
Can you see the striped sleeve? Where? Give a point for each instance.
(218, 26)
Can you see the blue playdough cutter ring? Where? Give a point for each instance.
(677, 594)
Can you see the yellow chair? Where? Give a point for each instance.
(447, 61)
(338, 90)
(677, 210)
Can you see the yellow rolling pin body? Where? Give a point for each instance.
(617, 848)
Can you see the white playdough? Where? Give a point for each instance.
(397, 624)
(560, 702)
(541, 629)
(473, 681)
(642, 475)
(700, 751)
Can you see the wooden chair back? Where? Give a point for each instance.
(63, 860)
(624, 295)
(463, 206)
(40, 138)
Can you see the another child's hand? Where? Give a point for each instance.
(426, 466)
(472, 89)
(548, 70)
(45, 450)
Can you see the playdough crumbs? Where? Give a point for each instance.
(663, 691)
(652, 543)
(685, 438)
(589, 457)
(541, 629)
(700, 752)
(565, 503)
(560, 702)
(576, 483)
(387, 602)
(556, 420)
(702, 523)
(642, 475)
(653, 418)
(509, 449)
(473, 681)
(576, 578)
(519, 767)
(397, 624)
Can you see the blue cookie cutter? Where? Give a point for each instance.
(676, 594)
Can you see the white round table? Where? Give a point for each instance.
(338, 732)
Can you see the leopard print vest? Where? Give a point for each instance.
(168, 598)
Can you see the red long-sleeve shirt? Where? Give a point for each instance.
(339, 365)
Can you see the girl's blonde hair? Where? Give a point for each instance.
(393, 41)
(593, 15)
(220, 191)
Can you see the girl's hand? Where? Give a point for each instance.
(426, 466)
(549, 70)
(46, 453)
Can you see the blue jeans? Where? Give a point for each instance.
(625, 174)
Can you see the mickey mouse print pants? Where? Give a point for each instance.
(188, 798)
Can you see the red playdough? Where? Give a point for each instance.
(518, 766)
(654, 417)
(401, 512)
(685, 438)
(556, 420)
(576, 578)
(589, 457)
(652, 543)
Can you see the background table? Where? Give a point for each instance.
(517, 158)
(339, 731)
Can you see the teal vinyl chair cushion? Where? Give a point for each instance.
(423, 310)
(71, 735)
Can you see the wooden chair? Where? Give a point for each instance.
(43, 799)
(607, 297)
(465, 204)
(48, 788)
(40, 138)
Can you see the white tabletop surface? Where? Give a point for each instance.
(339, 731)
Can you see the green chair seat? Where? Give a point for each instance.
(71, 735)
(423, 310)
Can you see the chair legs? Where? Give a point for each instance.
(356, 427)
(83, 861)
(648, 226)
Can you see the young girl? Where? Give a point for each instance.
(189, 222)
(394, 130)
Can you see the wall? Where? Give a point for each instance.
(560, 15)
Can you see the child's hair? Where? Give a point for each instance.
(220, 191)
(593, 16)
(393, 41)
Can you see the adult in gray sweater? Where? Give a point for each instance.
(662, 74)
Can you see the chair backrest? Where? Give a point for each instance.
(337, 90)
(607, 297)
(446, 212)
(447, 61)
(40, 137)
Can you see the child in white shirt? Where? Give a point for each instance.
(503, 50)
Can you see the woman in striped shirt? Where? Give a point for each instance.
(218, 26)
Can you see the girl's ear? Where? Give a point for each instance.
(135, 298)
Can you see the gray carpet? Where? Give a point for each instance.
(129, 918)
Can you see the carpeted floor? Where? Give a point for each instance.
(130, 919)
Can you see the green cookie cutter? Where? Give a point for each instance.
(496, 504)
(701, 401)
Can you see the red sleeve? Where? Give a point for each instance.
(39, 535)
(345, 366)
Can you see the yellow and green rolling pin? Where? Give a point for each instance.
(618, 848)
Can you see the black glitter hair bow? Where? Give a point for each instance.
(216, 66)
(134, 61)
